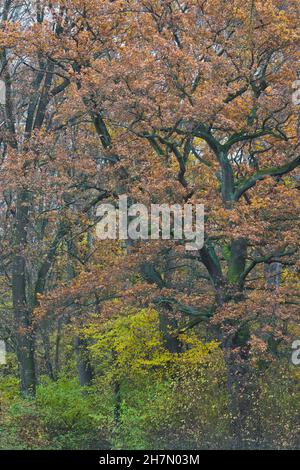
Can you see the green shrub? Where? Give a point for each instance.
(68, 412)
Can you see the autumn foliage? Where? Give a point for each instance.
(168, 102)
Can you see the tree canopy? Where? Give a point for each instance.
(169, 102)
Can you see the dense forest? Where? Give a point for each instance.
(142, 343)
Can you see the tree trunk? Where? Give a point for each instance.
(85, 371)
(47, 354)
(243, 394)
(24, 333)
(57, 347)
(25, 340)
(241, 384)
(168, 326)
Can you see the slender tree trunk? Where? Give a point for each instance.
(85, 371)
(24, 334)
(57, 347)
(25, 338)
(47, 354)
(272, 275)
(84, 367)
(117, 407)
(117, 396)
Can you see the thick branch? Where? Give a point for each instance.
(264, 173)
